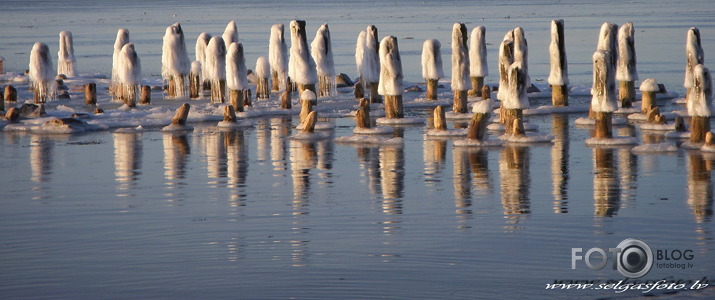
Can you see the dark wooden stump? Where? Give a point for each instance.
(699, 126)
(559, 95)
(477, 85)
(359, 91)
(440, 122)
(393, 107)
(486, 92)
(374, 95)
(431, 89)
(309, 122)
(477, 129)
(229, 114)
(362, 117)
(235, 99)
(10, 93)
(181, 114)
(194, 86)
(626, 93)
(460, 102)
(90, 93)
(604, 125)
(145, 98)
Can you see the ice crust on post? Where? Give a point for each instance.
(201, 43)
(390, 67)
(41, 73)
(557, 55)
(626, 67)
(700, 104)
(65, 56)
(506, 58)
(175, 63)
(122, 38)
(230, 34)
(694, 55)
(236, 71)
(521, 53)
(301, 67)
(278, 56)
(129, 75)
(604, 86)
(478, 53)
(322, 52)
(367, 60)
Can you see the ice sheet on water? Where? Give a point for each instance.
(457, 116)
(500, 127)
(616, 141)
(237, 124)
(373, 131)
(677, 135)
(478, 144)
(400, 121)
(528, 138)
(589, 121)
(658, 127)
(664, 147)
(550, 109)
(311, 136)
(447, 132)
(370, 140)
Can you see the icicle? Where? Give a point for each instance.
(175, 63)
(322, 52)
(41, 73)
(65, 55)
(278, 56)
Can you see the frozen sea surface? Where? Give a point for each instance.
(132, 212)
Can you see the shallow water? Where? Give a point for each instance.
(252, 214)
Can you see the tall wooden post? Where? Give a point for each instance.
(145, 98)
(90, 93)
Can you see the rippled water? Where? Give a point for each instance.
(252, 214)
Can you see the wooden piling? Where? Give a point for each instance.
(362, 117)
(286, 101)
(477, 129)
(440, 122)
(477, 85)
(90, 93)
(374, 95)
(247, 101)
(359, 91)
(486, 92)
(262, 89)
(311, 87)
(145, 98)
(229, 114)
(393, 107)
(12, 114)
(647, 101)
(508, 117)
(709, 138)
(431, 89)
(10, 93)
(235, 99)
(276, 83)
(680, 124)
(626, 93)
(181, 114)
(604, 127)
(194, 86)
(699, 126)
(309, 122)
(460, 102)
(559, 95)
(306, 106)
(218, 93)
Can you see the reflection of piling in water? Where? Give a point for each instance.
(462, 180)
(434, 157)
(302, 159)
(263, 135)
(700, 188)
(215, 155)
(515, 181)
(237, 161)
(176, 154)
(370, 162)
(560, 163)
(127, 158)
(280, 128)
(392, 169)
(479, 164)
(606, 191)
(628, 173)
(40, 157)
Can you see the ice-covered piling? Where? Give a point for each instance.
(626, 72)
(65, 55)
(369, 62)
(648, 88)
(278, 56)
(700, 104)
(306, 104)
(478, 68)
(521, 53)
(390, 84)
(201, 43)
(432, 66)
(129, 75)
(215, 68)
(301, 67)
(175, 63)
(460, 68)
(516, 100)
(506, 58)
(608, 41)
(195, 80)
(263, 73)
(236, 76)
(119, 42)
(558, 78)
(694, 56)
(603, 100)
(41, 73)
(322, 51)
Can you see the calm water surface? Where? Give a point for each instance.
(252, 214)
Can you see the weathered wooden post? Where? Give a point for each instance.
(301, 66)
(699, 104)
(306, 104)
(201, 43)
(693, 56)
(486, 92)
(90, 93)
(41, 74)
(175, 63)
(65, 55)
(478, 68)
(506, 58)
(216, 68)
(649, 88)
(278, 56)
(362, 117)
(516, 100)
(181, 114)
(558, 78)
(626, 72)
(263, 72)
(369, 66)
(460, 68)
(286, 101)
(195, 80)
(229, 114)
(477, 129)
(391, 77)
(10, 93)
(359, 91)
(431, 66)
(603, 101)
(309, 122)
(440, 122)
(12, 114)
(145, 98)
